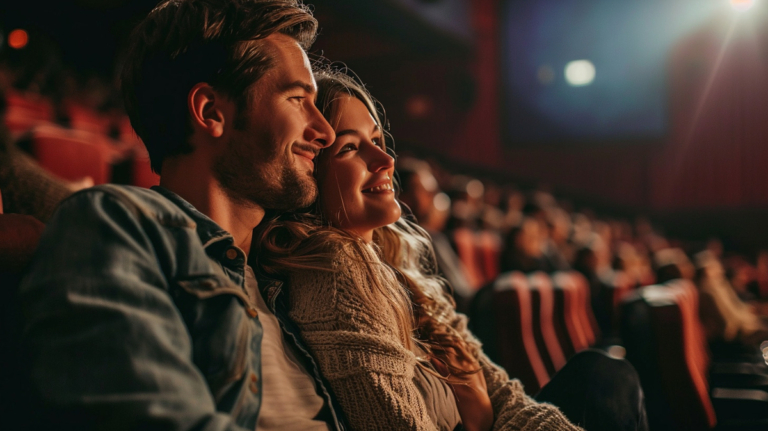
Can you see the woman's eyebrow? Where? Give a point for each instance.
(347, 132)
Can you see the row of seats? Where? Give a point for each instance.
(531, 324)
(85, 149)
(665, 341)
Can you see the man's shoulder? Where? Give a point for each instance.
(138, 201)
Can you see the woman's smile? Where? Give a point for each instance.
(355, 173)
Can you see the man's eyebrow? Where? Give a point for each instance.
(309, 88)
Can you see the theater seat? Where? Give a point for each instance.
(25, 111)
(71, 155)
(513, 319)
(665, 342)
(570, 324)
(543, 307)
(87, 119)
(488, 245)
(464, 241)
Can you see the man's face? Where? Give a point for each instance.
(269, 156)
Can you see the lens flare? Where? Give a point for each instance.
(580, 73)
(742, 5)
(18, 39)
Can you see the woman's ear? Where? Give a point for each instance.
(205, 110)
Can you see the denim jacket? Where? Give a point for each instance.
(136, 317)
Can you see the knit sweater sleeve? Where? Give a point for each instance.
(357, 348)
(512, 408)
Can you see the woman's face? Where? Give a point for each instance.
(354, 174)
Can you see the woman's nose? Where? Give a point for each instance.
(380, 160)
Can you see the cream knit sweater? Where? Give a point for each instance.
(372, 373)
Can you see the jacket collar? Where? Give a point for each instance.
(209, 232)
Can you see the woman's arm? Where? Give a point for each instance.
(512, 408)
(470, 390)
(356, 346)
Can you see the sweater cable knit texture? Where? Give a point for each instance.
(358, 351)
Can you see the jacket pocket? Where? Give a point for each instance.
(221, 331)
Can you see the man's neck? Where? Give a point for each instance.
(207, 196)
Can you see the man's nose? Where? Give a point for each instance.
(319, 131)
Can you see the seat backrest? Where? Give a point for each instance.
(639, 339)
(568, 316)
(543, 307)
(586, 314)
(518, 353)
(464, 239)
(24, 111)
(87, 119)
(489, 251)
(677, 351)
(69, 156)
(618, 287)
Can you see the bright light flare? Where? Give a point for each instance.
(742, 5)
(18, 39)
(580, 73)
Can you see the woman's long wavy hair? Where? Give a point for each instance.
(400, 263)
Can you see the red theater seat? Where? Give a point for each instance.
(681, 356)
(543, 307)
(70, 155)
(466, 249)
(87, 119)
(569, 324)
(488, 245)
(518, 353)
(25, 111)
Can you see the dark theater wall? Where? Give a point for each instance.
(716, 156)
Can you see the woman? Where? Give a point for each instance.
(363, 291)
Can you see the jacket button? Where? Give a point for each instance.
(254, 378)
(254, 388)
(231, 254)
(252, 312)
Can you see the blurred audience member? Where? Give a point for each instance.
(524, 248)
(431, 208)
(671, 264)
(557, 249)
(761, 274)
(725, 317)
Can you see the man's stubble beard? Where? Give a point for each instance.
(272, 184)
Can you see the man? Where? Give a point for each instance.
(138, 312)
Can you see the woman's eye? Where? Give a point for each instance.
(379, 143)
(348, 147)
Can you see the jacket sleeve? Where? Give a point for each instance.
(357, 349)
(108, 348)
(512, 408)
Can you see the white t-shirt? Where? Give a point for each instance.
(289, 400)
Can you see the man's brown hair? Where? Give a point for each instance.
(184, 42)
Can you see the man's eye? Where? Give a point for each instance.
(298, 98)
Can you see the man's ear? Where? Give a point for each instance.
(206, 110)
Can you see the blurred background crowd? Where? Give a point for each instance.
(621, 143)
